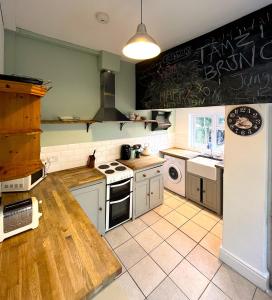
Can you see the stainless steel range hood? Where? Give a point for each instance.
(107, 110)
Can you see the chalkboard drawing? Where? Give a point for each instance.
(230, 65)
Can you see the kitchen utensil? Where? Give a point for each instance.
(125, 152)
(146, 151)
(18, 217)
(91, 160)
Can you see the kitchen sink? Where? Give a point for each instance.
(202, 166)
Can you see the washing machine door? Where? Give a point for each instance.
(174, 174)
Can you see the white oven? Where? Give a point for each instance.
(118, 202)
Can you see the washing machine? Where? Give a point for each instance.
(174, 174)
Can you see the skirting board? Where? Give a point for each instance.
(260, 279)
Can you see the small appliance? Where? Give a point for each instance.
(125, 152)
(25, 183)
(18, 217)
(119, 180)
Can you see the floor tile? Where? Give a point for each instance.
(204, 221)
(167, 290)
(147, 274)
(163, 210)
(135, 226)
(212, 292)
(211, 214)
(193, 230)
(218, 230)
(148, 239)
(212, 243)
(233, 285)
(163, 228)
(260, 295)
(181, 242)
(150, 217)
(117, 236)
(173, 202)
(189, 280)
(194, 206)
(176, 219)
(166, 257)
(123, 288)
(204, 261)
(130, 253)
(187, 211)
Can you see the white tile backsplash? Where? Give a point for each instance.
(76, 155)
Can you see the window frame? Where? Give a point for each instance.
(214, 127)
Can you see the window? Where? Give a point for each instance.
(207, 132)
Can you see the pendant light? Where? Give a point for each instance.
(141, 45)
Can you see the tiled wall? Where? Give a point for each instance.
(75, 155)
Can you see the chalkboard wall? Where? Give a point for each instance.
(230, 65)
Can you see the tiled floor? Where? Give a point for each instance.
(172, 253)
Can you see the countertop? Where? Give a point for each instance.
(220, 164)
(180, 153)
(65, 257)
(142, 162)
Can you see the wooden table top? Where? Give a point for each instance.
(65, 257)
(142, 162)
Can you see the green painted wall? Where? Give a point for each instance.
(76, 87)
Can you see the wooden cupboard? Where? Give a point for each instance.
(19, 129)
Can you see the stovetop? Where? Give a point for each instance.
(115, 171)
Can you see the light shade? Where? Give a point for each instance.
(141, 45)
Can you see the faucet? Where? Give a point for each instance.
(209, 147)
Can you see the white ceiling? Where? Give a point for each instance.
(170, 22)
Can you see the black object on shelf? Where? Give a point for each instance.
(24, 79)
(162, 118)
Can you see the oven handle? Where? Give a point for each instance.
(114, 202)
(120, 184)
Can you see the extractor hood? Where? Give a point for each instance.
(107, 110)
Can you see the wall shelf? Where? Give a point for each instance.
(87, 122)
(90, 122)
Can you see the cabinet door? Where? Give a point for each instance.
(193, 187)
(141, 197)
(92, 200)
(209, 194)
(156, 191)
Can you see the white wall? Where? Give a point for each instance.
(1, 45)
(182, 122)
(246, 199)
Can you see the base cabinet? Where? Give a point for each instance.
(148, 190)
(92, 200)
(205, 192)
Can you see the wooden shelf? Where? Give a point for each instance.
(20, 132)
(89, 122)
(22, 88)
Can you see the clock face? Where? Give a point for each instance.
(244, 120)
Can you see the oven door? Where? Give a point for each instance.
(118, 211)
(119, 189)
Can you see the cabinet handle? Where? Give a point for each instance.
(144, 175)
(100, 208)
(151, 193)
(203, 192)
(197, 189)
(158, 171)
(148, 194)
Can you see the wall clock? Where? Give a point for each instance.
(244, 120)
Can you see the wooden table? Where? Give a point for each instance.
(65, 257)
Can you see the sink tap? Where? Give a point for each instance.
(209, 147)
